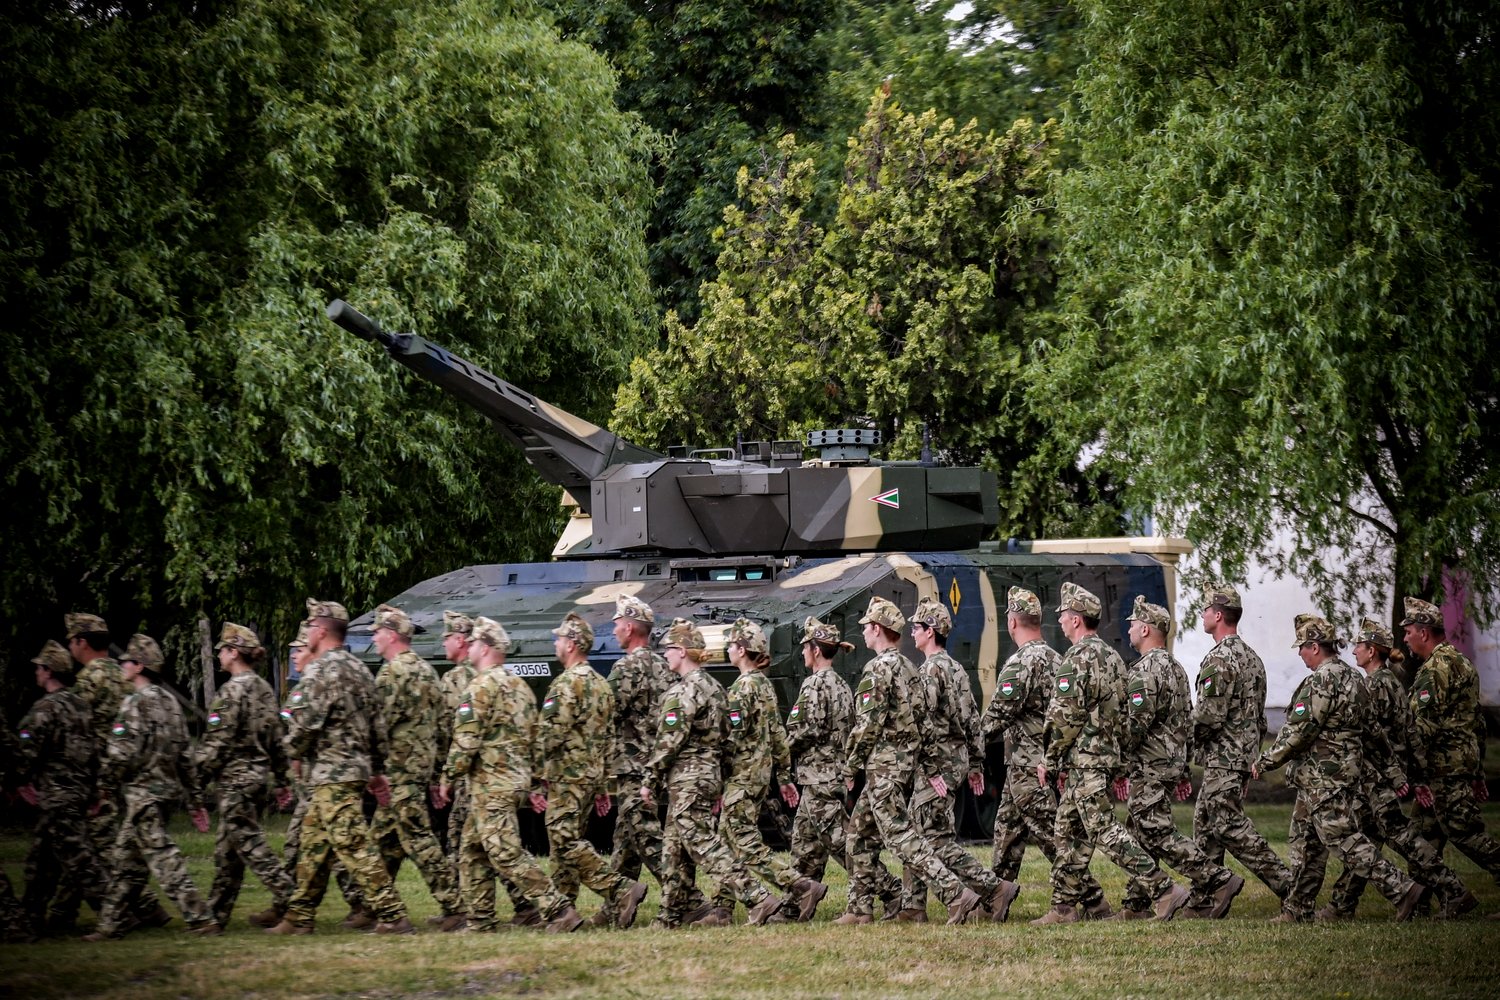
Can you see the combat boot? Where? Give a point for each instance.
(1224, 896)
(451, 922)
(629, 903)
(697, 913)
(853, 919)
(716, 916)
(358, 920)
(1169, 902)
(1060, 913)
(601, 918)
(998, 905)
(1285, 918)
(1126, 913)
(96, 937)
(964, 905)
(911, 915)
(809, 894)
(761, 911)
(209, 928)
(287, 927)
(267, 918)
(1328, 914)
(401, 926)
(1458, 906)
(1415, 897)
(1098, 911)
(1201, 912)
(780, 918)
(529, 917)
(565, 922)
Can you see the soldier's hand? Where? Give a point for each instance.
(1041, 775)
(1184, 790)
(1062, 780)
(1254, 773)
(1122, 788)
(1424, 796)
(297, 770)
(283, 797)
(199, 817)
(538, 802)
(647, 797)
(1481, 790)
(602, 805)
(1404, 792)
(441, 796)
(718, 805)
(976, 782)
(28, 794)
(938, 785)
(380, 787)
(790, 796)
(95, 806)
(848, 785)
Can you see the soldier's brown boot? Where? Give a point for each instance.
(358, 920)
(529, 917)
(1126, 913)
(780, 917)
(1201, 912)
(565, 922)
(1169, 902)
(287, 927)
(1457, 906)
(966, 904)
(1328, 914)
(1223, 897)
(853, 919)
(1060, 913)
(209, 929)
(1415, 897)
(716, 916)
(269, 917)
(451, 922)
(629, 903)
(998, 905)
(911, 915)
(1098, 911)
(601, 918)
(809, 894)
(96, 937)
(1285, 918)
(697, 913)
(761, 912)
(401, 926)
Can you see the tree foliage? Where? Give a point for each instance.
(1281, 283)
(183, 187)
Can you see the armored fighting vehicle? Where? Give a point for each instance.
(759, 531)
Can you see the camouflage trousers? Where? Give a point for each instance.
(458, 820)
(691, 838)
(882, 816)
(240, 843)
(1457, 816)
(292, 848)
(819, 831)
(334, 827)
(1220, 824)
(574, 860)
(492, 851)
(1086, 821)
(403, 829)
(13, 922)
(101, 830)
(141, 850)
(1150, 822)
(62, 863)
(1383, 822)
(1323, 821)
(739, 828)
(932, 815)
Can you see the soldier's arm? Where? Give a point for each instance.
(781, 751)
(1211, 709)
(1427, 698)
(1142, 697)
(307, 714)
(224, 720)
(559, 709)
(671, 733)
(861, 740)
(469, 720)
(968, 717)
(123, 746)
(1305, 719)
(1066, 713)
(33, 738)
(803, 719)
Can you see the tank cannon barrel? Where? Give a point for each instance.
(565, 449)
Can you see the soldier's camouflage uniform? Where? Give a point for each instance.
(57, 757)
(146, 763)
(755, 757)
(639, 681)
(455, 689)
(1017, 712)
(1389, 727)
(891, 706)
(13, 923)
(411, 706)
(1229, 722)
(951, 742)
(685, 766)
(494, 736)
(240, 752)
(574, 734)
(1154, 745)
(1084, 719)
(1445, 704)
(333, 721)
(817, 727)
(1321, 743)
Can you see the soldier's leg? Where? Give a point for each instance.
(1350, 885)
(1101, 826)
(342, 811)
(386, 838)
(1423, 861)
(574, 860)
(1308, 857)
(167, 865)
(1136, 899)
(1074, 851)
(699, 834)
(862, 849)
(14, 927)
(1219, 822)
(1453, 801)
(1153, 827)
(739, 828)
(458, 817)
(476, 875)
(890, 798)
(229, 867)
(818, 833)
(291, 843)
(1338, 828)
(315, 857)
(500, 835)
(409, 805)
(127, 875)
(1010, 834)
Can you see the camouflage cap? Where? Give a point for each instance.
(301, 640)
(1221, 595)
(575, 628)
(1419, 612)
(491, 633)
(1075, 598)
(1376, 634)
(816, 631)
(391, 617)
(1152, 614)
(77, 623)
(54, 658)
(326, 609)
(749, 635)
(456, 623)
(143, 649)
(684, 634)
(634, 609)
(1311, 628)
(883, 612)
(1020, 601)
(241, 637)
(932, 614)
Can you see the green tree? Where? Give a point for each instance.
(911, 307)
(183, 187)
(1281, 282)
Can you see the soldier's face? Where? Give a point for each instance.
(674, 657)
(130, 669)
(1418, 639)
(622, 630)
(1211, 616)
(456, 646)
(809, 656)
(1311, 655)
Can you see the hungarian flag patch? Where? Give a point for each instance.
(1424, 696)
(215, 720)
(1137, 699)
(670, 719)
(795, 713)
(1007, 689)
(735, 718)
(1064, 684)
(1299, 709)
(119, 729)
(466, 712)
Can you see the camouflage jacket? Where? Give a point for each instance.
(691, 733)
(455, 687)
(638, 680)
(411, 703)
(757, 750)
(574, 734)
(1017, 711)
(57, 755)
(1445, 703)
(891, 705)
(1158, 719)
(818, 726)
(494, 735)
(950, 742)
(147, 753)
(102, 687)
(1229, 719)
(1085, 714)
(1385, 751)
(1324, 731)
(333, 721)
(242, 744)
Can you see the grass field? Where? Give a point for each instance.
(1241, 956)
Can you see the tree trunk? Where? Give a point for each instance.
(206, 653)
